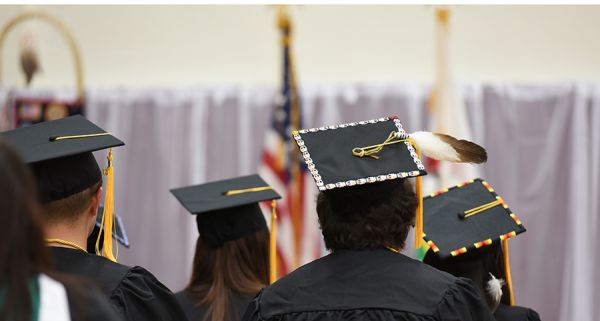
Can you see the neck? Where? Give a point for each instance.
(75, 233)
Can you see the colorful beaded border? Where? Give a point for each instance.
(483, 243)
(315, 173)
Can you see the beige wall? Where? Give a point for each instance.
(182, 45)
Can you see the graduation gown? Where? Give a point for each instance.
(238, 304)
(87, 303)
(368, 285)
(515, 313)
(133, 292)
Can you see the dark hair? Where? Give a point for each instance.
(69, 208)
(22, 251)
(367, 216)
(239, 266)
(477, 266)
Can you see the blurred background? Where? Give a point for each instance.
(202, 93)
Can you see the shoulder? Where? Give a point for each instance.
(86, 302)
(517, 313)
(462, 301)
(350, 280)
(137, 279)
(189, 306)
(105, 273)
(141, 296)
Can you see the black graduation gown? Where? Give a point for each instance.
(515, 313)
(368, 285)
(132, 291)
(238, 304)
(87, 303)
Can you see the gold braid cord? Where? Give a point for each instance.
(248, 190)
(372, 150)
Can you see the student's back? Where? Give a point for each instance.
(376, 284)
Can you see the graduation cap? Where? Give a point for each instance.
(468, 218)
(377, 150)
(228, 210)
(60, 155)
(97, 235)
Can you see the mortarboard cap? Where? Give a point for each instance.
(339, 156)
(228, 210)
(59, 153)
(466, 218)
(118, 232)
(225, 194)
(361, 153)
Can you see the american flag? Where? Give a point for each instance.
(298, 237)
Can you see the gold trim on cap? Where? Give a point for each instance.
(55, 138)
(247, 190)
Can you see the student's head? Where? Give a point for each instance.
(66, 200)
(367, 216)
(238, 266)
(232, 253)
(477, 266)
(22, 250)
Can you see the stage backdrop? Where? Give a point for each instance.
(544, 159)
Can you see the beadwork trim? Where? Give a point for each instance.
(297, 134)
(483, 243)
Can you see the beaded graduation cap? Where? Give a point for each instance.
(378, 150)
(467, 218)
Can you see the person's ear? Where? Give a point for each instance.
(95, 203)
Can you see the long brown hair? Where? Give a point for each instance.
(22, 251)
(240, 266)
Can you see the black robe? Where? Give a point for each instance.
(515, 313)
(132, 291)
(238, 304)
(87, 303)
(368, 285)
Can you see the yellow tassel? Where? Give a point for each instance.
(507, 271)
(108, 217)
(273, 244)
(419, 213)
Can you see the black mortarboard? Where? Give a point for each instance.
(358, 153)
(59, 153)
(118, 232)
(466, 218)
(227, 210)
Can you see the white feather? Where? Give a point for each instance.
(494, 289)
(433, 147)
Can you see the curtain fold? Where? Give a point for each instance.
(543, 143)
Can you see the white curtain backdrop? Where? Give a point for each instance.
(544, 159)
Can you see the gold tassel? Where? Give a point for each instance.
(108, 217)
(273, 244)
(419, 213)
(507, 271)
